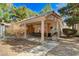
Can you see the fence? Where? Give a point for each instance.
(2, 31)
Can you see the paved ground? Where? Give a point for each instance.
(40, 50)
(67, 47)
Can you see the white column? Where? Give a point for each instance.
(42, 31)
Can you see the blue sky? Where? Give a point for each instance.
(36, 7)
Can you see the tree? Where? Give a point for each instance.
(9, 13)
(22, 13)
(13, 13)
(72, 13)
(46, 9)
(4, 12)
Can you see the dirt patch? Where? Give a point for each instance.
(14, 47)
(5, 50)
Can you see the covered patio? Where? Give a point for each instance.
(40, 25)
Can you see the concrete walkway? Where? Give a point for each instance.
(40, 50)
(67, 47)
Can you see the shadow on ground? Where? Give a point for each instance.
(20, 45)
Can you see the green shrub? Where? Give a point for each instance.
(69, 32)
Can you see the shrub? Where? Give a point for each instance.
(16, 31)
(69, 32)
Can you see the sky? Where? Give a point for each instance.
(37, 7)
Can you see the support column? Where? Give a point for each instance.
(25, 32)
(58, 33)
(46, 29)
(42, 31)
(61, 27)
